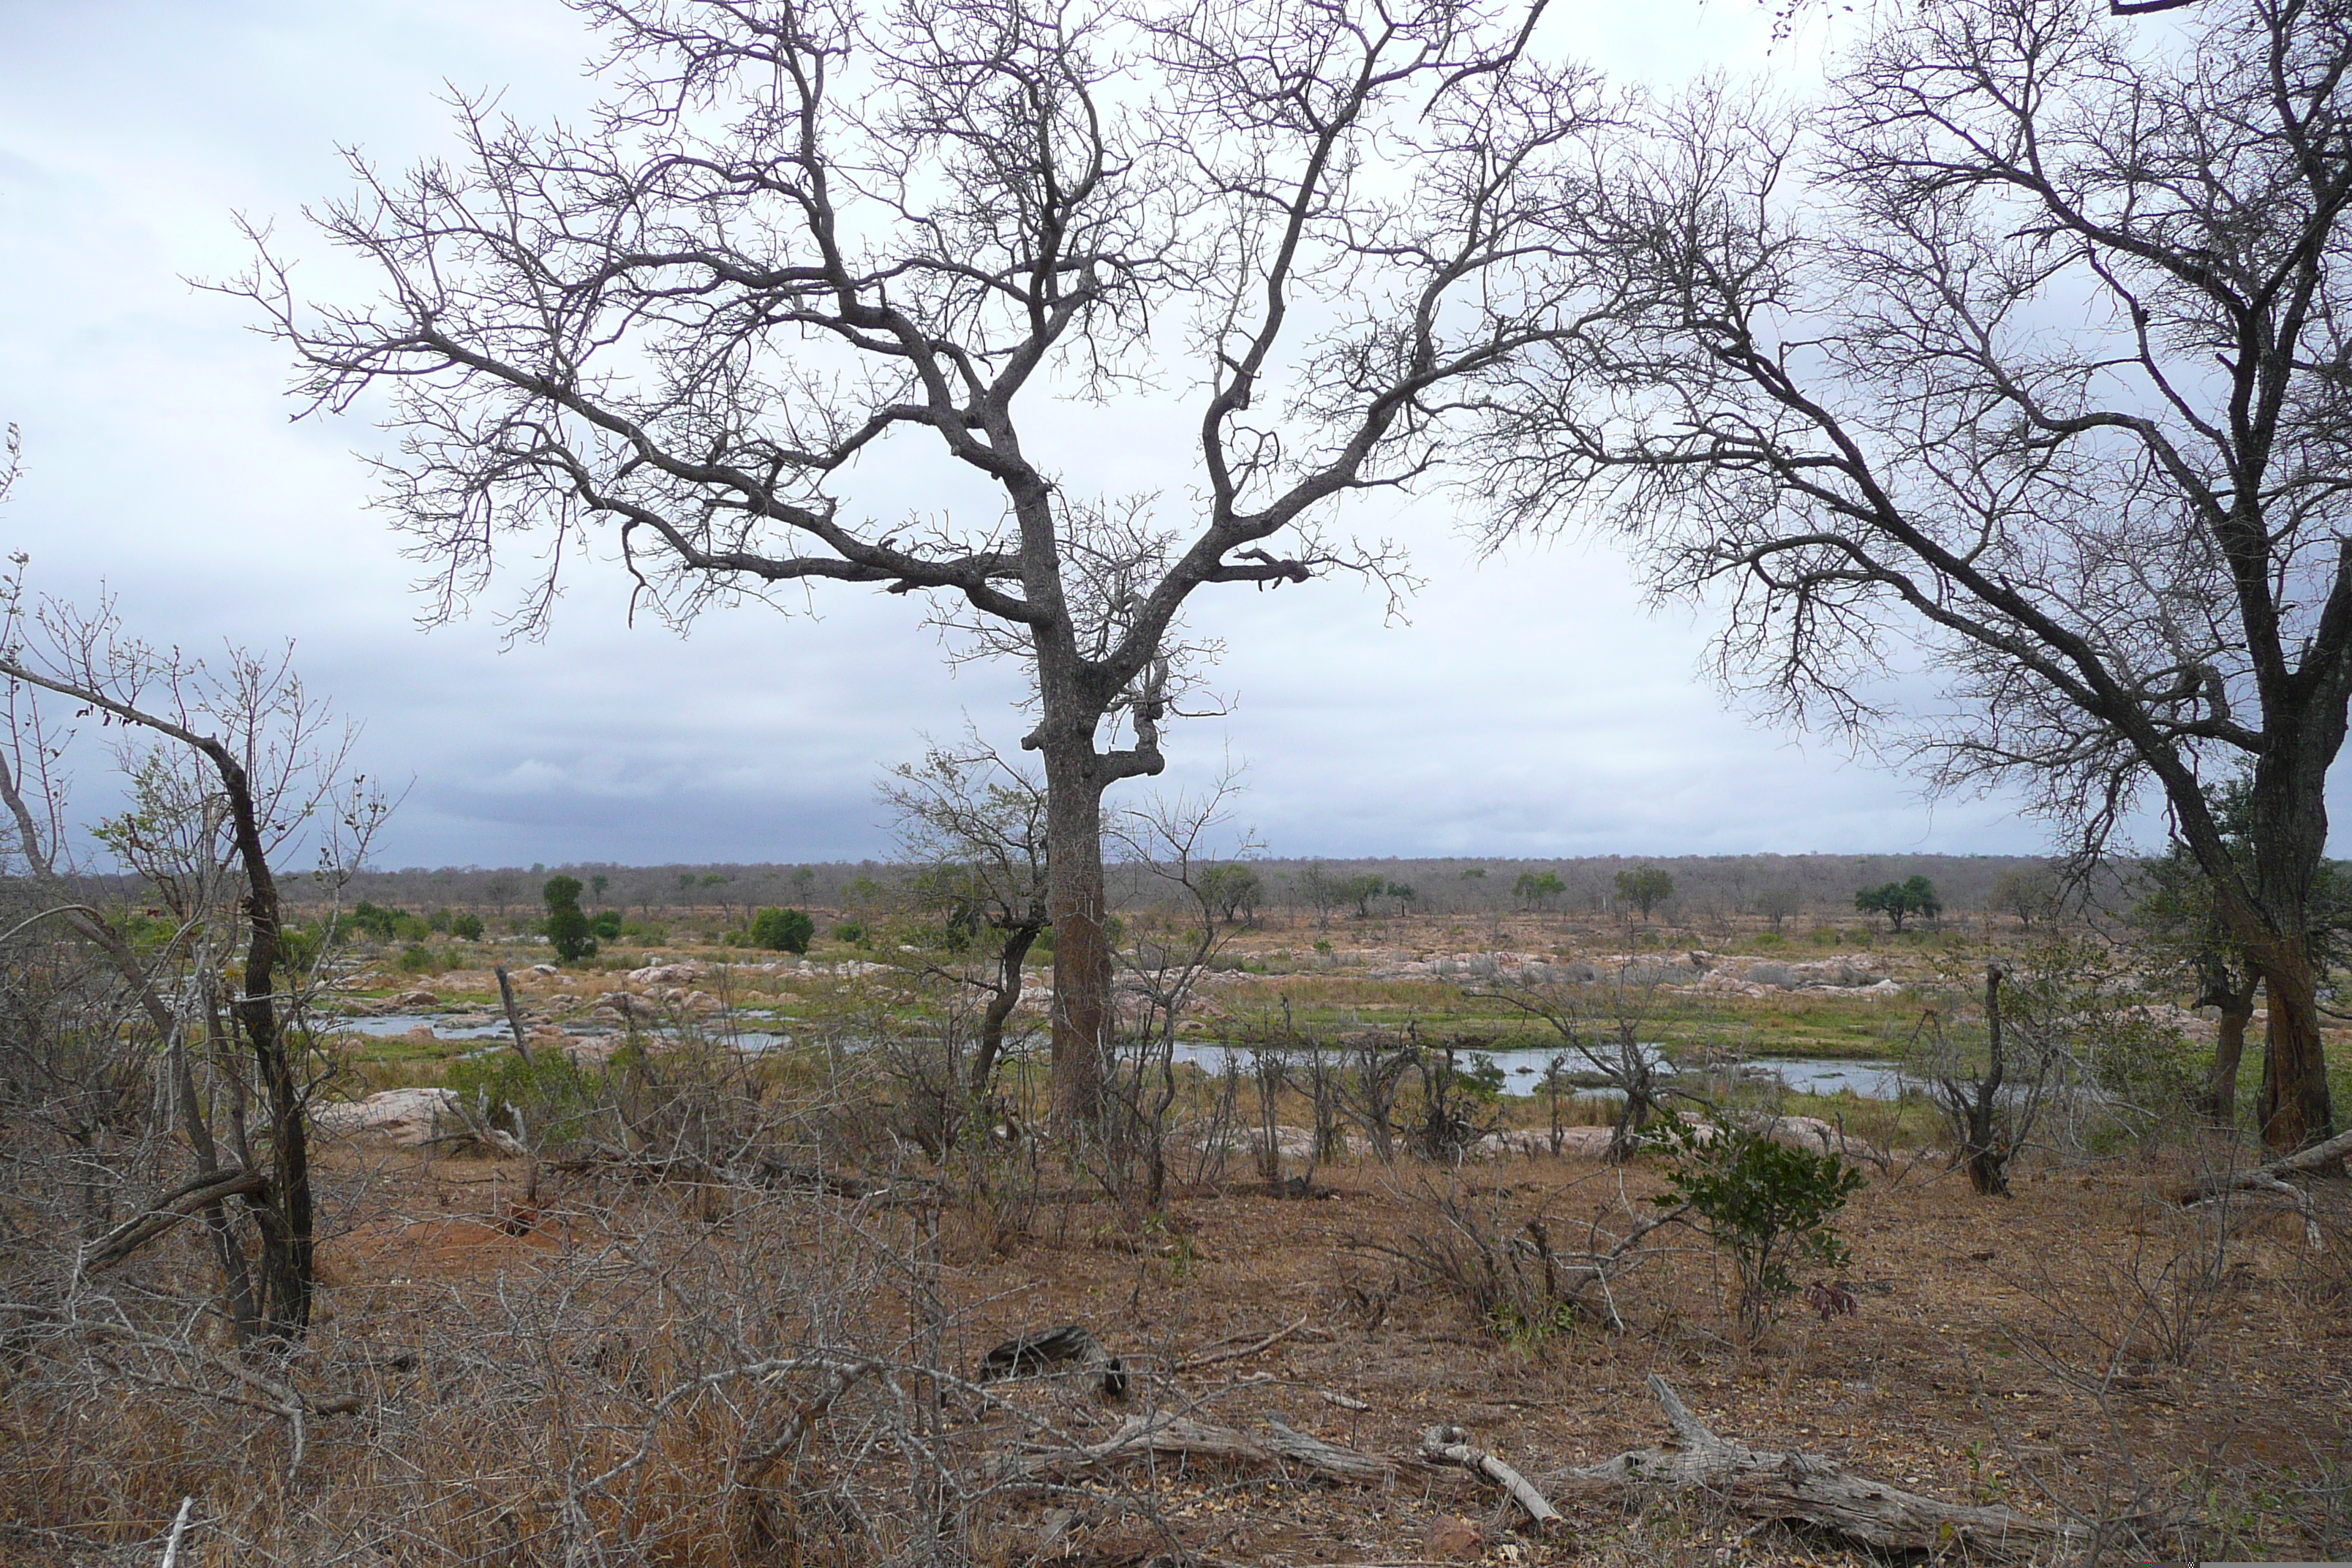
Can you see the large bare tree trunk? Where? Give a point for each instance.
(1082, 957)
(2296, 1107)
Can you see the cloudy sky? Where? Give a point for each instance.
(1533, 705)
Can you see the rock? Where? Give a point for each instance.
(405, 1116)
(1815, 1136)
(415, 999)
(637, 1008)
(1453, 1539)
(684, 973)
(545, 969)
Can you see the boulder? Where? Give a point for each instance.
(682, 974)
(407, 999)
(405, 1116)
(1815, 1136)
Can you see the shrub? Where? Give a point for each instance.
(374, 920)
(417, 958)
(606, 926)
(1764, 1202)
(465, 926)
(566, 928)
(850, 932)
(545, 1100)
(783, 930)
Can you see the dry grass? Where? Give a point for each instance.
(502, 1358)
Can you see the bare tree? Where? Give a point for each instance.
(2024, 352)
(246, 763)
(1599, 1025)
(797, 239)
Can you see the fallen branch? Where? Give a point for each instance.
(1166, 1433)
(1451, 1445)
(2327, 1157)
(1211, 1358)
(1030, 1354)
(1806, 1490)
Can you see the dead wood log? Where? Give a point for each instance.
(1164, 1432)
(1451, 1445)
(2320, 1158)
(1806, 1490)
(1030, 1354)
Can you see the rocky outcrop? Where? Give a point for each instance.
(405, 1116)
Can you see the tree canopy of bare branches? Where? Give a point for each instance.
(2020, 359)
(800, 243)
(228, 764)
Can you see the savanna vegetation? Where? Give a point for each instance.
(1079, 1184)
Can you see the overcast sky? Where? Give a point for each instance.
(1534, 705)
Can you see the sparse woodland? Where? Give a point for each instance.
(1081, 1185)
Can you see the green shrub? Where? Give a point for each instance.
(465, 926)
(1764, 1202)
(644, 930)
(851, 932)
(551, 1095)
(417, 959)
(606, 926)
(783, 930)
(566, 927)
(374, 920)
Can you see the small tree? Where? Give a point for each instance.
(1601, 1027)
(1645, 888)
(1235, 890)
(1898, 901)
(783, 930)
(1777, 904)
(1538, 889)
(500, 889)
(566, 927)
(1766, 1204)
(1361, 890)
(2029, 895)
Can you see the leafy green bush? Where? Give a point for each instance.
(374, 920)
(551, 1095)
(466, 926)
(565, 926)
(783, 930)
(1764, 1202)
(606, 926)
(417, 959)
(851, 932)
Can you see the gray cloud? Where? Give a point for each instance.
(1532, 706)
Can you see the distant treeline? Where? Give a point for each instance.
(1705, 886)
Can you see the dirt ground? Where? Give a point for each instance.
(2081, 1351)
